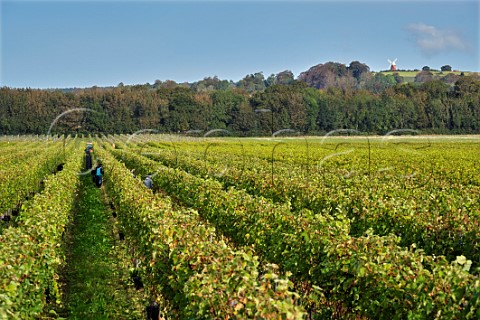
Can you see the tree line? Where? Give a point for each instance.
(324, 98)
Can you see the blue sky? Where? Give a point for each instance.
(59, 44)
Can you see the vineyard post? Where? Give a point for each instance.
(273, 152)
(308, 162)
(64, 158)
(211, 143)
(205, 156)
(369, 155)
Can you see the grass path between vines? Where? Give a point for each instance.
(98, 283)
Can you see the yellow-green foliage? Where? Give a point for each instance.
(31, 253)
(379, 224)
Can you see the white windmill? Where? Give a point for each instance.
(393, 64)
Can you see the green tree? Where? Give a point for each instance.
(423, 76)
(446, 68)
(357, 69)
(253, 82)
(225, 106)
(380, 82)
(285, 77)
(398, 78)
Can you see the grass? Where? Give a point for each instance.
(412, 74)
(98, 283)
(409, 76)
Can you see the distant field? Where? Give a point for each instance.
(435, 73)
(409, 76)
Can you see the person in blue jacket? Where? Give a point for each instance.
(148, 182)
(98, 175)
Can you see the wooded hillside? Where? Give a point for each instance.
(326, 97)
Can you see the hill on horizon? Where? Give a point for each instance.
(321, 76)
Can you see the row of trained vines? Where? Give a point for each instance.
(357, 238)
(386, 202)
(302, 228)
(184, 262)
(31, 253)
(22, 170)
